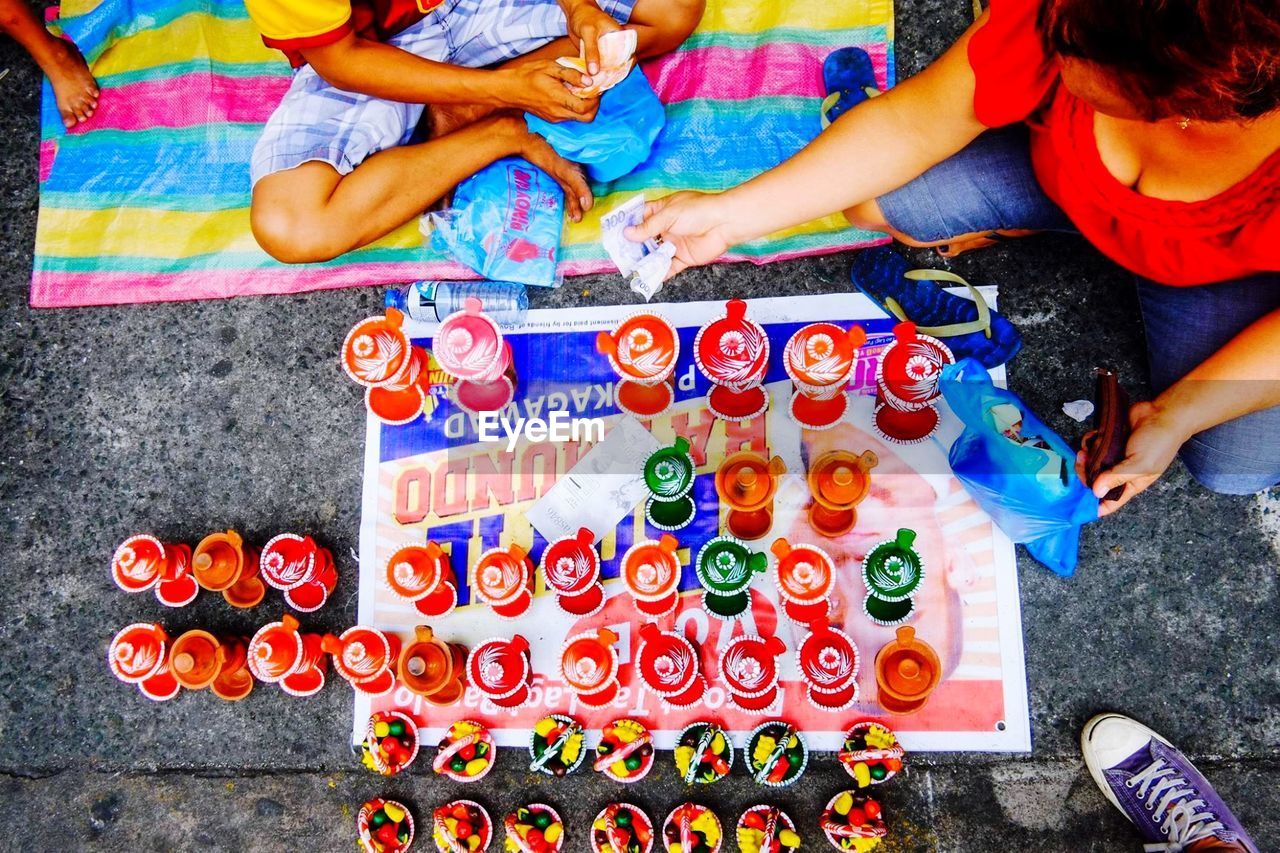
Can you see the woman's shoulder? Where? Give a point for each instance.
(1013, 73)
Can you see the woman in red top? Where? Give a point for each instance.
(1152, 127)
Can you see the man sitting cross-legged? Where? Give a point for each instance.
(332, 170)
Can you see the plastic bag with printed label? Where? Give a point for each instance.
(1018, 470)
(621, 136)
(505, 224)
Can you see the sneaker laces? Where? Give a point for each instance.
(1184, 818)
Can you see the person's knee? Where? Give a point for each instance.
(866, 216)
(289, 235)
(1229, 467)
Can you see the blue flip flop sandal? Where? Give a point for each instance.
(849, 78)
(968, 326)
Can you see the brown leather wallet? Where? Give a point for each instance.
(1104, 445)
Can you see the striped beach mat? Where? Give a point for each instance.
(148, 202)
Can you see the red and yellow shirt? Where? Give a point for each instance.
(294, 25)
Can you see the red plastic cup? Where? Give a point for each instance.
(571, 568)
(500, 670)
(651, 573)
(910, 369)
(749, 669)
(309, 678)
(138, 564)
(275, 652)
(732, 352)
(589, 667)
(828, 661)
(805, 578)
(377, 353)
(137, 652)
(312, 595)
(288, 561)
(177, 586)
(504, 580)
(668, 664)
(364, 656)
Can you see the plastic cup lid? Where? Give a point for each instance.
(822, 354)
(910, 369)
(287, 561)
(749, 664)
(732, 350)
(571, 565)
(501, 576)
(828, 658)
(667, 662)
(644, 348)
(499, 668)
(893, 570)
(806, 574)
(376, 351)
(669, 471)
(589, 661)
(137, 652)
(725, 566)
(137, 564)
(651, 570)
(468, 344)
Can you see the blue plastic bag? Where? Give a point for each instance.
(1017, 469)
(621, 136)
(505, 224)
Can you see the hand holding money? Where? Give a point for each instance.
(645, 264)
(613, 53)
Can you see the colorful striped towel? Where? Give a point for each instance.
(149, 201)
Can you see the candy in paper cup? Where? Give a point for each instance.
(622, 826)
(853, 821)
(690, 827)
(703, 753)
(625, 752)
(137, 652)
(762, 826)
(871, 754)
(534, 828)
(557, 745)
(776, 754)
(390, 742)
(467, 752)
(384, 826)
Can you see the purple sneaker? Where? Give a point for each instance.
(1156, 787)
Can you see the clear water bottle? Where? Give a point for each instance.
(506, 302)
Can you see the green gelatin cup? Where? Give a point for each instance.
(725, 566)
(669, 472)
(893, 570)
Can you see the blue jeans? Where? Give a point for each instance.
(990, 185)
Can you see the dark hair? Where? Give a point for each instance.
(1204, 59)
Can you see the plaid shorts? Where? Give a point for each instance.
(316, 121)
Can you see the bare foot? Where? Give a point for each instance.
(969, 242)
(577, 193)
(446, 118)
(73, 85)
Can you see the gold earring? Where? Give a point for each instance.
(1184, 123)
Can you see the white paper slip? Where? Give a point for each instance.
(601, 489)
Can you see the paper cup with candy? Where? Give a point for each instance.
(500, 670)
(828, 660)
(669, 665)
(234, 681)
(589, 667)
(651, 573)
(732, 352)
(219, 560)
(503, 580)
(557, 745)
(137, 652)
(871, 753)
(432, 668)
(625, 752)
(421, 574)
(749, 670)
(893, 570)
(669, 475)
(725, 567)
(466, 753)
(805, 578)
(907, 672)
(384, 826)
(776, 754)
(703, 753)
(534, 828)
(177, 586)
(288, 561)
(390, 743)
(692, 828)
(853, 821)
(309, 677)
(767, 829)
(910, 369)
(642, 351)
(622, 828)
(365, 657)
(196, 659)
(838, 480)
(746, 483)
(571, 568)
(138, 563)
(820, 359)
(275, 651)
(455, 824)
(310, 596)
